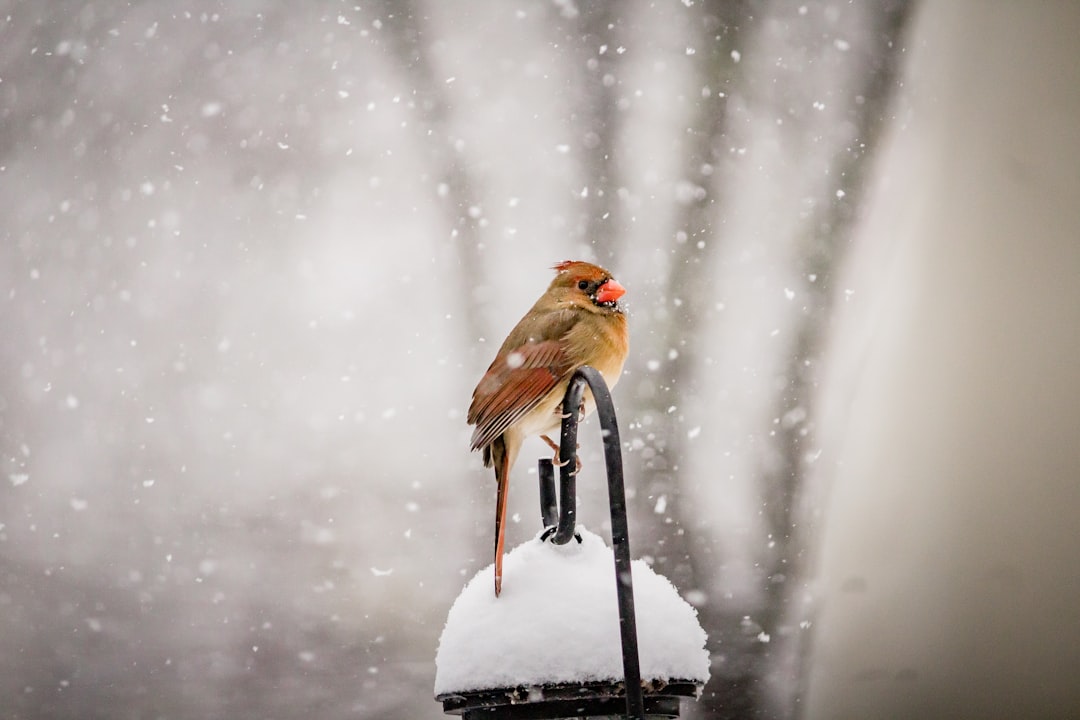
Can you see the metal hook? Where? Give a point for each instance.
(561, 515)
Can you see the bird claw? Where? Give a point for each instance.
(577, 465)
(558, 462)
(563, 415)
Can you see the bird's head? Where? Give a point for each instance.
(587, 285)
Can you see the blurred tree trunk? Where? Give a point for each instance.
(404, 24)
(674, 327)
(600, 123)
(827, 237)
(456, 191)
(739, 687)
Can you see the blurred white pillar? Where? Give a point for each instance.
(948, 571)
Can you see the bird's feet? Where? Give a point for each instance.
(558, 462)
(564, 415)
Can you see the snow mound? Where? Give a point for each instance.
(557, 621)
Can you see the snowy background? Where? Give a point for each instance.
(255, 256)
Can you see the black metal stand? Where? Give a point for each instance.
(660, 699)
(562, 516)
(585, 700)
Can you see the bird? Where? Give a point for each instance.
(578, 321)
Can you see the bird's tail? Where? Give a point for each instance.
(501, 460)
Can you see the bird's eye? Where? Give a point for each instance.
(583, 284)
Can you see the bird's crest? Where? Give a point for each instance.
(568, 265)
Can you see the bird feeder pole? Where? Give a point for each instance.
(558, 509)
(620, 533)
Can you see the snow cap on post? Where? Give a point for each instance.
(556, 623)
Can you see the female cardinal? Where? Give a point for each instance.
(577, 322)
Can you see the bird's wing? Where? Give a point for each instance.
(514, 384)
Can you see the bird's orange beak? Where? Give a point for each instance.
(610, 291)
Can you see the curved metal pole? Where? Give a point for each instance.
(620, 533)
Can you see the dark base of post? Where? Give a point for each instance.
(590, 700)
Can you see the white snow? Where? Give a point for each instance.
(557, 621)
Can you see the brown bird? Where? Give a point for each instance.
(577, 322)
